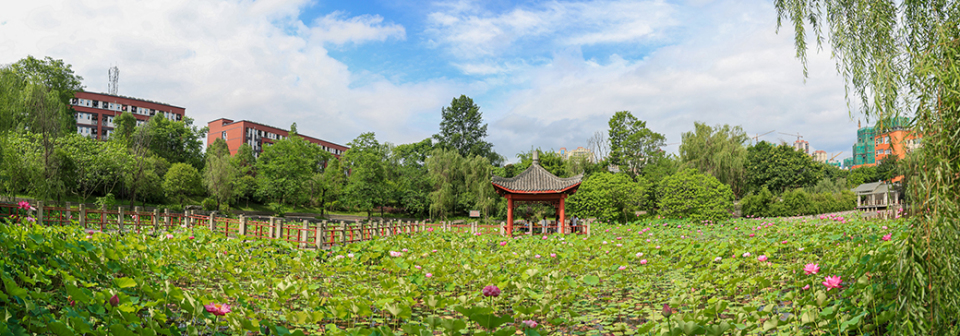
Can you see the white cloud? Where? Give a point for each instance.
(468, 30)
(339, 29)
(237, 59)
(734, 70)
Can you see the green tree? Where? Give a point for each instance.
(861, 175)
(691, 195)
(608, 197)
(219, 173)
(327, 186)
(888, 168)
(285, 166)
(99, 164)
(444, 167)
(367, 187)
(412, 180)
(462, 129)
(660, 168)
(55, 77)
(182, 180)
(549, 160)
(901, 57)
(245, 185)
(718, 151)
(780, 168)
(632, 144)
(177, 141)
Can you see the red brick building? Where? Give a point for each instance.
(257, 135)
(95, 112)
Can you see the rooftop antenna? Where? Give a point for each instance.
(114, 74)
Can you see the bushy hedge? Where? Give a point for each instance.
(689, 194)
(796, 202)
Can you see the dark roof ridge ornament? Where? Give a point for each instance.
(536, 157)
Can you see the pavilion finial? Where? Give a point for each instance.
(536, 157)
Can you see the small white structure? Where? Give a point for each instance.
(877, 195)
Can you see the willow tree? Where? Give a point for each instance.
(718, 151)
(901, 58)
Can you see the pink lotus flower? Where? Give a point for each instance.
(169, 236)
(429, 229)
(89, 236)
(404, 250)
(639, 254)
(622, 268)
(530, 323)
(537, 256)
(434, 251)
(751, 235)
(114, 300)
(429, 275)
(23, 205)
(395, 254)
(783, 242)
(747, 254)
(417, 267)
(491, 290)
(832, 282)
(887, 237)
(717, 259)
(643, 261)
(191, 237)
(553, 255)
(806, 287)
(762, 258)
(811, 269)
(544, 237)
(217, 309)
(31, 220)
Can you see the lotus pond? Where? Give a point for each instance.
(659, 277)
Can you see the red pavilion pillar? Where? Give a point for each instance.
(510, 215)
(562, 214)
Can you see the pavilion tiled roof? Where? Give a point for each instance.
(536, 179)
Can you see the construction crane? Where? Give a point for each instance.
(756, 139)
(835, 156)
(796, 135)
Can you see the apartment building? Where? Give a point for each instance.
(257, 135)
(96, 111)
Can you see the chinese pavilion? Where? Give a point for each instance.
(536, 185)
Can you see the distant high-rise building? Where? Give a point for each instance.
(802, 145)
(888, 137)
(579, 152)
(820, 156)
(95, 112)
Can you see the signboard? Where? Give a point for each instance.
(474, 213)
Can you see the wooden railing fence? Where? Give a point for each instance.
(305, 234)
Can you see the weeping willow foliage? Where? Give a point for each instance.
(718, 151)
(900, 58)
(461, 184)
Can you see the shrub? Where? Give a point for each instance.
(209, 204)
(608, 197)
(796, 202)
(696, 196)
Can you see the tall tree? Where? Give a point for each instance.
(780, 168)
(284, 166)
(367, 187)
(901, 57)
(180, 181)
(412, 182)
(632, 144)
(245, 185)
(57, 79)
(177, 141)
(462, 129)
(219, 173)
(718, 151)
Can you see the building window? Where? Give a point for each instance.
(223, 135)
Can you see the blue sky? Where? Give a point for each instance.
(545, 74)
